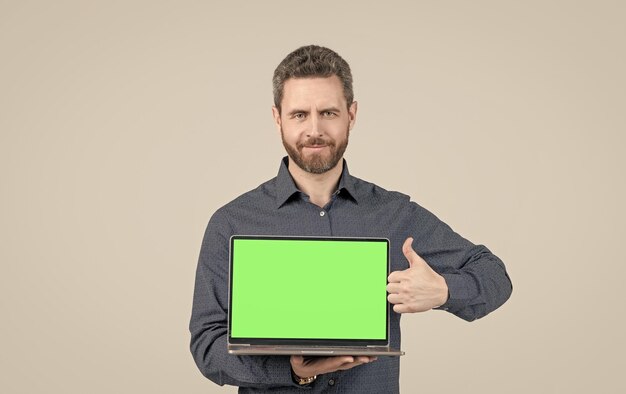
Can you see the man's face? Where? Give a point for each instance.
(315, 122)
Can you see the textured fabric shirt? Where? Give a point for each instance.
(477, 279)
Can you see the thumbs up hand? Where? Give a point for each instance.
(417, 288)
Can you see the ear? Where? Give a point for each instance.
(276, 116)
(352, 114)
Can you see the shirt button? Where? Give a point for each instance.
(331, 382)
(322, 213)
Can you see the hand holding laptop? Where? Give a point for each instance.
(418, 288)
(312, 366)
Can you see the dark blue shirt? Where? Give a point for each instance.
(477, 279)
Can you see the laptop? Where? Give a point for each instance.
(313, 296)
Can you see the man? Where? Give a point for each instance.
(315, 195)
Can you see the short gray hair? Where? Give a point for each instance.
(312, 61)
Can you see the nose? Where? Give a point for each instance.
(314, 126)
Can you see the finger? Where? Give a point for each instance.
(329, 364)
(317, 365)
(401, 308)
(395, 298)
(346, 366)
(350, 365)
(411, 255)
(357, 361)
(337, 363)
(364, 360)
(393, 288)
(395, 277)
(346, 359)
(297, 360)
(408, 251)
(334, 362)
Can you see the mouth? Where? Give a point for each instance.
(315, 146)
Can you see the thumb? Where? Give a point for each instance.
(296, 360)
(408, 251)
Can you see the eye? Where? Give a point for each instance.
(328, 114)
(298, 115)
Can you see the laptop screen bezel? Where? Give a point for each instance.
(304, 341)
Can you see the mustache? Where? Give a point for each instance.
(314, 141)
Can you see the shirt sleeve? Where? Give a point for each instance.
(208, 325)
(477, 279)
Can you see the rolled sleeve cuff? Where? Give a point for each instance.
(461, 290)
(280, 368)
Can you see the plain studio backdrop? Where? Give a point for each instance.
(125, 124)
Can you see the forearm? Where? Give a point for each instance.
(208, 325)
(477, 279)
(477, 288)
(263, 372)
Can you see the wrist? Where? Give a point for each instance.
(302, 381)
(444, 293)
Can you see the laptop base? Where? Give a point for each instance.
(313, 350)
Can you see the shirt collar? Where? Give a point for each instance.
(286, 187)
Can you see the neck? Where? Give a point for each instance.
(319, 187)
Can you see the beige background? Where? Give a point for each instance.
(125, 124)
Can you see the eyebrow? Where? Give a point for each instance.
(297, 111)
(303, 111)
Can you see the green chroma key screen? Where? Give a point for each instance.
(309, 288)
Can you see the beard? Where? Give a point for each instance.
(320, 162)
